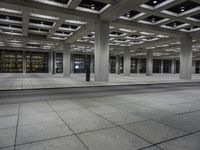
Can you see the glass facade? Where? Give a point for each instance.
(143, 65)
(11, 61)
(177, 66)
(133, 65)
(167, 66)
(112, 64)
(156, 66)
(59, 62)
(81, 62)
(197, 67)
(37, 62)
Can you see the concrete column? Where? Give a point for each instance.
(173, 67)
(72, 63)
(127, 63)
(193, 67)
(117, 66)
(162, 66)
(54, 63)
(101, 51)
(51, 62)
(91, 64)
(138, 65)
(149, 63)
(186, 58)
(66, 60)
(24, 61)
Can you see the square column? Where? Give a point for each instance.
(138, 65)
(173, 67)
(72, 63)
(51, 61)
(101, 53)
(149, 63)
(186, 58)
(54, 62)
(117, 66)
(127, 63)
(66, 60)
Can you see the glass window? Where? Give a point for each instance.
(143, 66)
(177, 66)
(156, 66)
(36, 62)
(11, 61)
(197, 68)
(167, 66)
(133, 65)
(112, 64)
(59, 62)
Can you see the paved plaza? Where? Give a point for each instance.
(149, 121)
(10, 81)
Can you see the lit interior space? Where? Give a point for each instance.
(99, 74)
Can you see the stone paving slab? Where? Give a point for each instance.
(6, 122)
(123, 117)
(38, 132)
(153, 131)
(63, 143)
(9, 110)
(169, 120)
(7, 137)
(91, 123)
(189, 122)
(40, 118)
(112, 139)
(190, 142)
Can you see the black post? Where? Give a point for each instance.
(87, 68)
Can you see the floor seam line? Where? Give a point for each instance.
(119, 126)
(68, 126)
(16, 132)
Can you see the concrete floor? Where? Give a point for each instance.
(32, 81)
(149, 121)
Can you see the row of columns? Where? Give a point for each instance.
(101, 56)
(185, 60)
(149, 60)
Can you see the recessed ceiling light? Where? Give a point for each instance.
(154, 2)
(153, 20)
(92, 6)
(128, 15)
(7, 18)
(182, 9)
